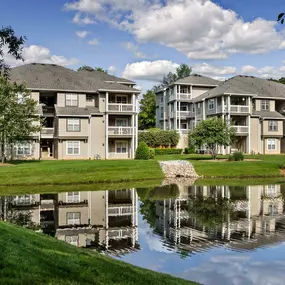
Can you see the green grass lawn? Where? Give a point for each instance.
(268, 166)
(83, 171)
(28, 258)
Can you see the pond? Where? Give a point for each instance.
(209, 234)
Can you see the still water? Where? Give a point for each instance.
(209, 234)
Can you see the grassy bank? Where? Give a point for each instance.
(28, 258)
(76, 172)
(264, 166)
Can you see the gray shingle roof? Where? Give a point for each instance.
(75, 111)
(39, 76)
(199, 80)
(105, 77)
(246, 85)
(268, 114)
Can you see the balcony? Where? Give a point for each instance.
(241, 130)
(47, 133)
(121, 233)
(121, 131)
(120, 211)
(121, 108)
(239, 109)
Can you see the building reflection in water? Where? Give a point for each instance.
(99, 219)
(242, 218)
(197, 218)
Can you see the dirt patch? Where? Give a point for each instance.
(7, 164)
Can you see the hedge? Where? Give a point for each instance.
(167, 151)
(142, 151)
(156, 138)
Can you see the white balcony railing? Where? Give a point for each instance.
(239, 109)
(120, 211)
(125, 108)
(120, 233)
(241, 129)
(47, 132)
(184, 114)
(184, 96)
(121, 131)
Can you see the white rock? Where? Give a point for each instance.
(178, 168)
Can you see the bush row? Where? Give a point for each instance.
(156, 137)
(167, 151)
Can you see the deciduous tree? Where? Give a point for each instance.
(147, 111)
(212, 133)
(89, 68)
(18, 119)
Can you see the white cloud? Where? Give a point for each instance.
(265, 72)
(249, 69)
(82, 34)
(34, 53)
(134, 49)
(93, 42)
(213, 71)
(200, 29)
(82, 20)
(112, 69)
(149, 70)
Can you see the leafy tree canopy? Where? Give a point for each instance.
(147, 111)
(212, 133)
(281, 80)
(182, 71)
(89, 68)
(14, 46)
(17, 115)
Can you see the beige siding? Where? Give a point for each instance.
(276, 151)
(102, 103)
(62, 128)
(257, 105)
(272, 105)
(254, 135)
(98, 209)
(35, 96)
(266, 132)
(63, 196)
(61, 99)
(34, 155)
(82, 100)
(62, 150)
(98, 133)
(196, 91)
(62, 214)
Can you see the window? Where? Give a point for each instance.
(72, 240)
(73, 147)
(161, 112)
(23, 200)
(121, 99)
(24, 149)
(161, 98)
(73, 197)
(271, 144)
(89, 98)
(73, 218)
(71, 100)
(184, 126)
(73, 125)
(271, 190)
(121, 147)
(121, 122)
(264, 105)
(211, 103)
(273, 126)
(272, 209)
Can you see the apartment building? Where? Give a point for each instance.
(253, 106)
(99, 219)
(87, 114)
(257, 218)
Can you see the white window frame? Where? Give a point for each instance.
(271, 144)
(273, 126)
(121, 96)
(71, 99)
(25, 147)
(211, 104)
(72, 143)
(121, 142)
(271, 190)
(73, 125)
(73, 240)
(122, 120)
(73, 221)
(265, 105)
(23, 200)
(74, 198)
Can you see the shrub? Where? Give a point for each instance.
(236, 156)
(189, 150)
(151, 153)
(157, 137)
(167, 151)
(142, 151)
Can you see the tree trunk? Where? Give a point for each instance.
(2, 148)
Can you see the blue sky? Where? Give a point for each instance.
(144, 39)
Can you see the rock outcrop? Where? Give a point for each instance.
(178, 169)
